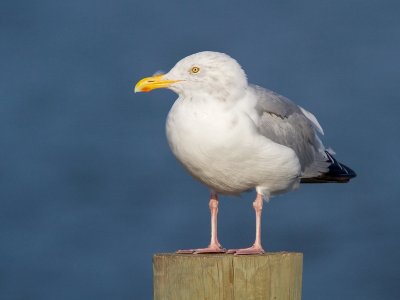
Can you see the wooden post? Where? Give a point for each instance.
(271, 276)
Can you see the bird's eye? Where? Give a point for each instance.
(195, 70)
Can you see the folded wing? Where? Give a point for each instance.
(286, 123)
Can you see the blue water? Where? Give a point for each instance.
(89, 189)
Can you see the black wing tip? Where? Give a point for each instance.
(337, 173)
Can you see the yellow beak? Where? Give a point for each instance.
(151, 83)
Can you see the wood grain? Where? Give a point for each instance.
(271, 276)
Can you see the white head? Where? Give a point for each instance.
(206, 73)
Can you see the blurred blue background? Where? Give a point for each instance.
(90, 190)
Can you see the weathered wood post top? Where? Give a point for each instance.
(270, 276)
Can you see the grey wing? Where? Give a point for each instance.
(286, 123)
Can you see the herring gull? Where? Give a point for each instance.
(234, 136)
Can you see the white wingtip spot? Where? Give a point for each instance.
(330, 151)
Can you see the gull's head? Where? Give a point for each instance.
(208, 73)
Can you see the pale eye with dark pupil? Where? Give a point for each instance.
(195, 70)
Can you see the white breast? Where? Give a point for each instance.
(220, 146)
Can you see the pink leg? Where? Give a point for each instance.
(215, 246)
(256, 248)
